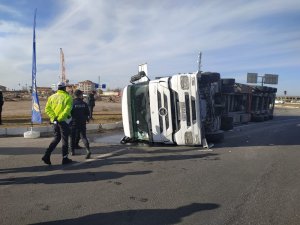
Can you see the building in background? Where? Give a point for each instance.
(86, 86)
(44, 91)
(3, 88)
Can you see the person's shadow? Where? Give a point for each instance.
(139, 216)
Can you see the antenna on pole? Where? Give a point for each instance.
(63, 70)
(199, 62)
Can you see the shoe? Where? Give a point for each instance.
(88, 155)
(66, 161)
(46, 159)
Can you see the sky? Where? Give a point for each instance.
(109, 39)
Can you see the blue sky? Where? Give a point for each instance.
(111, 38)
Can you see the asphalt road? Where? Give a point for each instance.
(250, 178)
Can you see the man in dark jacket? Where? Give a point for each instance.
(80, 116)
(91, 103)
(1, 104)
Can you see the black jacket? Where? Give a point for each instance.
(91, 100)
(80, 112)
(1, 99)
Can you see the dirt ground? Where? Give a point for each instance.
(18, 113)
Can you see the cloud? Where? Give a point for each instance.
(110, 38)
(9, 10)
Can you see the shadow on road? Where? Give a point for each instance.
(70, 178)
(139, 216)
(114, 161)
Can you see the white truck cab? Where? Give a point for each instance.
(169, 109)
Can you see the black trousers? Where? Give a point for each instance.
(77, 137)
(61, 132)
(79, 129)
(0, 114)
(91, 108)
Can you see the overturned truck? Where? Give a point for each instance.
(190, 108)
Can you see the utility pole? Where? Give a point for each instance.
(199, 62)
(63, 70)
(262, 80)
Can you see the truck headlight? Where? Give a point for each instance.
(188, 138)
(184, 82)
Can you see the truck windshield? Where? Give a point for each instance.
(140, 111)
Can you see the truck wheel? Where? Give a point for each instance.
(259, 88)
(274, 90)
(271, 117)
(226, 123)
(215, 137)
(228, 82)
(266, 117)
(245, 118)
(257, 118)
(227, 89)
(209, 77)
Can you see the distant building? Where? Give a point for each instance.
(86, 86)
(44, 91)
(71, 88)
(3, 88)
(53, 87)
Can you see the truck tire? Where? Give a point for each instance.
(257, 118)
(261, 88)
(228, 82)
(266, 117)
(227, 89)
(216, 137)
(226, 123)
(271, 117)
(219, 110)
(245, 118)
(209, 77)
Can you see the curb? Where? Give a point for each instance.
(45, 130)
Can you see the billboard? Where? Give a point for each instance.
(271, 79)
(252, 78)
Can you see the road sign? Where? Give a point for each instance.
(271, 79)
(252, 78)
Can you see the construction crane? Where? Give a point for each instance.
(63, 70)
